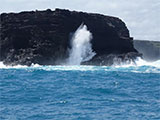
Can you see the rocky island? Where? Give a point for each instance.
(43, 37)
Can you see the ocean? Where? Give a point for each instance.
(124, 92)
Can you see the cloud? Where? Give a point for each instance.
(141, 16)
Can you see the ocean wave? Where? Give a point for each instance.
(140, 66)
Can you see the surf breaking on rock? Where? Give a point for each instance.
(44, 39)
(81, 48)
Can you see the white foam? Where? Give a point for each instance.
(139, 62)
(50, 67)
(140, 67)
(3, 66)
(8, 66)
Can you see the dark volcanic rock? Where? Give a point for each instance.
(43, 37)
(115, 59)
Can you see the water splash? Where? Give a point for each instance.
(81, 50)
(139, 62)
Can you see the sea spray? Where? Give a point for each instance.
(81, 48)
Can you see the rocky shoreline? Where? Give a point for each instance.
(43, 37)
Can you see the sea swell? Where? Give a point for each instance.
(116, 92)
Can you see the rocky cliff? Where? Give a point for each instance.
(43, 37)
(149, 49)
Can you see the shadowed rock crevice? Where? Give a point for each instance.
(43, 37)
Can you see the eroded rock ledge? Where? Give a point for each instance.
(43, 37)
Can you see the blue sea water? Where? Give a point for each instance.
(80, 93)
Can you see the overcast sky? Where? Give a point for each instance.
(142, 17)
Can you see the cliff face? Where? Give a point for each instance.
(43, 37)
(149, 49)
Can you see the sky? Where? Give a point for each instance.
(142, 17)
